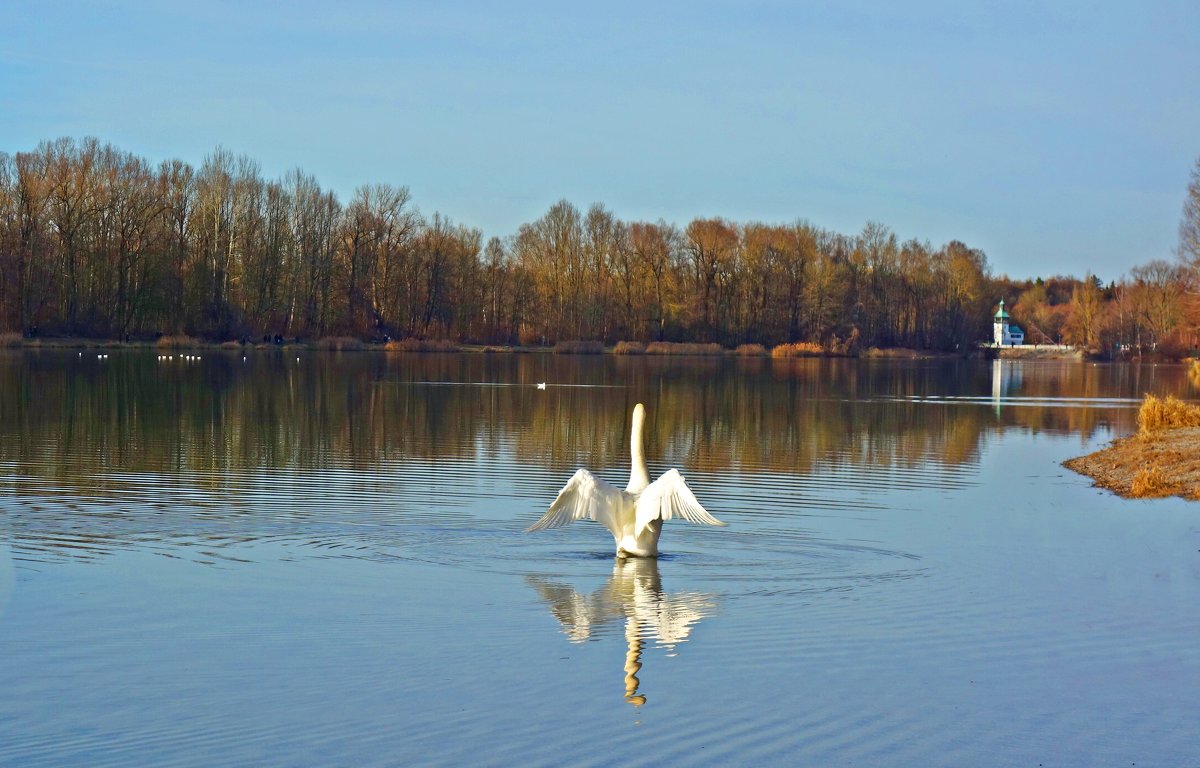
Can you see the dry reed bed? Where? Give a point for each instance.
(798, 349)
(178, 341)
(683, 348)
(1152, 483)
(1159, 413)
(421, 345)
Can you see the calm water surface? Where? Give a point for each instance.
(320, 561)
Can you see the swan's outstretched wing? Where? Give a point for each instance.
(668, 497)
(572, 609)
(579, 614)
(584, 495)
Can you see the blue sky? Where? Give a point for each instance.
(1057, 137)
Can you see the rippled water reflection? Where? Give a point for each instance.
(321, 561)
(633, 597)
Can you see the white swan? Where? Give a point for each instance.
(635, 515)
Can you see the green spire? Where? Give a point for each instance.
(1000, 313)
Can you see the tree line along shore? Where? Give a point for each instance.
(13, 340)
(100, 243)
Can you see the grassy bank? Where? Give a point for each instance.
(1162, 459)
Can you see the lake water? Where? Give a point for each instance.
(321, 561)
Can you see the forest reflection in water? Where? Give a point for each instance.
(69, 416)
(383, 455)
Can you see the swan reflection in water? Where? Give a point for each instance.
(634, 593)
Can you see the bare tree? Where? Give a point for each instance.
(1085, 322)
(712, 246)
(10, 294)
(655, 246)
(1159, 290)
(380, 225)
(1189, 226)
(601, 240)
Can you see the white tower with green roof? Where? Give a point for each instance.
(1004, 333)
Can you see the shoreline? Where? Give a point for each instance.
(346, 344)
(1154, 466)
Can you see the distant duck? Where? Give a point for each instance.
(541, 385)
(635, 515)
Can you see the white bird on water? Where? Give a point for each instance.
(635, 515)
(541, 385)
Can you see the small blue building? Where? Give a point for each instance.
(1005, 334)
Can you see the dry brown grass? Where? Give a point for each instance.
(10, 339)
(750, 350)
(798, 349)
(179, 341)
(1160, 413)
(1163, 463)
(673, 348)
(1152, 483)
(421, 345)
(579, 347)
(629, 348)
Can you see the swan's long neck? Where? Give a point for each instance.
(639, 478)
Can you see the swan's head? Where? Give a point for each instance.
(639, 415)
